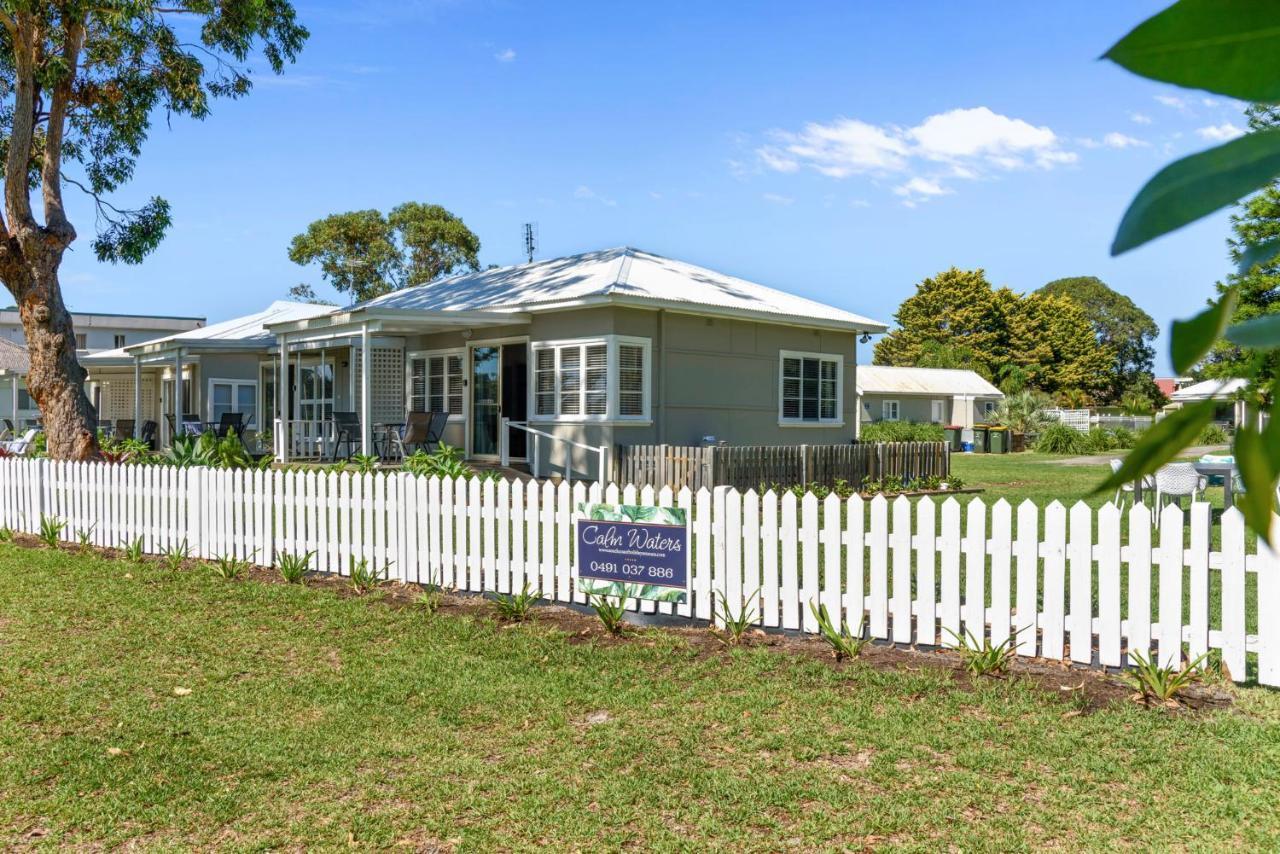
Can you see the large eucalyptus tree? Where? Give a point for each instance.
(80, 84)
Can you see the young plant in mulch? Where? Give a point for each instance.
(293, 568)
(84, 536)
(133, 550)
(612, 611)
(429, 600)
(6, 534)
(735, 624)
(363, 577)
(1157, 685)
(51, 529)
(516, 607)
(981, 657)
(843, 643)
(229, 568)
(176, 555)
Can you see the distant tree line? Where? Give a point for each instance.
(1075, 339)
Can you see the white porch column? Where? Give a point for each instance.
(177, 391)
(281, 435)
(137, 397)
(366, 394)
(14, 389)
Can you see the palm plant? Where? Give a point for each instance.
(1023, 412)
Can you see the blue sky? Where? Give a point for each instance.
(842, 151)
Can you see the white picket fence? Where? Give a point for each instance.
(1077, 584)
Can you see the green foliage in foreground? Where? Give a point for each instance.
(315, 719)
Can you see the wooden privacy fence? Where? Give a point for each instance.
(1078, 584)
(754, 466)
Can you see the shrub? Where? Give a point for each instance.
(6, 534)
(293, 568)
(51, 530)
(176, 556)
(1061, 439)
(843, 643)
(1100, 440)
(1162, 684)
(900, 431)
(1214, 434)
(1124, 437)
(133, 550)
(612, 611)
(445, 461)
(85, 537)
(1023, 412)
(516, 606)
(229, 568)
(981, 658)
(363, 578)
(736, 625)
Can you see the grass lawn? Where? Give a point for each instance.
(317, 719)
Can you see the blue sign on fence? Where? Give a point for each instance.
(635, 551)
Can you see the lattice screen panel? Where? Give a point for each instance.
(117, 398)
(387, 370)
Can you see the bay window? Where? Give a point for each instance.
(596, 379)
(809, 388)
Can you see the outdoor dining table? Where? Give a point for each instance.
(1228, 472)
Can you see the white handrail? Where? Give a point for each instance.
(504, 445)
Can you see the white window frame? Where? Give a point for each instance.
(989, 407)
(884, 410)
(463, 354)
(235, 398)
(838, 420)
(612, 411)
(937, 411)
(118, 340)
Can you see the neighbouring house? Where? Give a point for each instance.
(551, 361)
(1231, 409)
(222, 367)
(15, 403)
(1168, 385)
(927, 395)
(97, 331)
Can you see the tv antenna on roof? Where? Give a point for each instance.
(530, 239)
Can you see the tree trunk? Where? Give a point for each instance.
(56, 380)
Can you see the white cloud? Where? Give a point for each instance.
(1172, 101)
(1120, 140)
(919, 189)
(589, 195)
(967, 143)
(1220, 133)
(859, 203)
(507, 55)
(1139, 118)
(775, 199)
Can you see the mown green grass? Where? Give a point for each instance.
(317, 720)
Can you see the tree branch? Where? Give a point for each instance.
(16, 197)
(55, 216)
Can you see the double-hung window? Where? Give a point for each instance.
(436, 382)
(889, 410)
(591, 379)
(809, 388)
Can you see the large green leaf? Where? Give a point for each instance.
(1162, 442)
(1260, 253)
(1260, 333)
(1226, 46)
(1258, 471)
(1198, 185)
(1191, 339)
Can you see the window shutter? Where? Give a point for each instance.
(790, 388)
(571, 380)
(435, 384)
(454, 366)
(418, 385)
(631, 380)
(597, 379)
(544, 382)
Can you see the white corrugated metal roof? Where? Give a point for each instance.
(249, 331)
(883, 379)
(1219, 389)
(619, 274)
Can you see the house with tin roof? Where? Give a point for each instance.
(926, 395)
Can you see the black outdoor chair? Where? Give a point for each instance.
(148, 434)
(10, 432)
(415, 433)
(124, 428)
(346, 431)
(228, 422)
(435, 433)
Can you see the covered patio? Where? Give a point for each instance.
(381, 389)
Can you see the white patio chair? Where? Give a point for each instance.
(1148, 485)
(1177, 481)
(21, 445)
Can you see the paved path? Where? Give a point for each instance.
(1102, 459)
